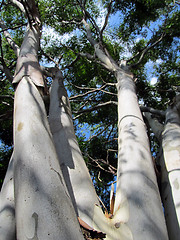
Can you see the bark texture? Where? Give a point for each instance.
(7, 207)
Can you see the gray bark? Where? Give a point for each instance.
(171, 151)
(73, 166)
(136, 180)
(170, 135)
(7, 208)
(43, 207)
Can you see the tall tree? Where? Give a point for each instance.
(52, 173)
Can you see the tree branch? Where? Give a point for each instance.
(99, 133)
(155, 125)
(89, 34)
(145, 50)
(96, 107)
(153, 111)
(106, 20)
(88, 15)
(111, 168)
(4, 67)
(92, 91)
(8, 37)
(19, 5)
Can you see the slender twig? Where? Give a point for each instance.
(111, 168)
(6, 96)
(72, 63)
(96, 107)
(99, 133)
(13, 28)
(91, 91)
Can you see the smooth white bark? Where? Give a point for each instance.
(74, 169)
(171, 191)
(7, 208)
(169, 137)
(43, 207)
(136, 179)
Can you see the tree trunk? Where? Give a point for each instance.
(165, 186)
(7, 208)
(171, 191)
(137, 191)
(43, 207)
(74, 169)
(136, 179)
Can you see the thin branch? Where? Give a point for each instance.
(88, 15)
(110, 132)
(110, 150)
(4, 67)
(19, 5)
(145, 50)
(8, 37)
(177, 2)
(96, 107)
(6, 96)
(72, 63)
(92, 91)
(2, 3)
(81, 54)
(153, 111)
(51, 59)
(71, 22)
(13, 28)
(89, 34)
(99, 133)
(7, 115)
(111, 168)
(76, 117)
(106, 20)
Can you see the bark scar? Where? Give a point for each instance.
(35, 216)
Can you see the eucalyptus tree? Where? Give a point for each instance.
(103, 57)
(40, 196)
(95, 68)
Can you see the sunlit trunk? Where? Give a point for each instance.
(73, 166)
(7, 208)
(42, 204)
(171, 190)
(43, 207)
(136, 179)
